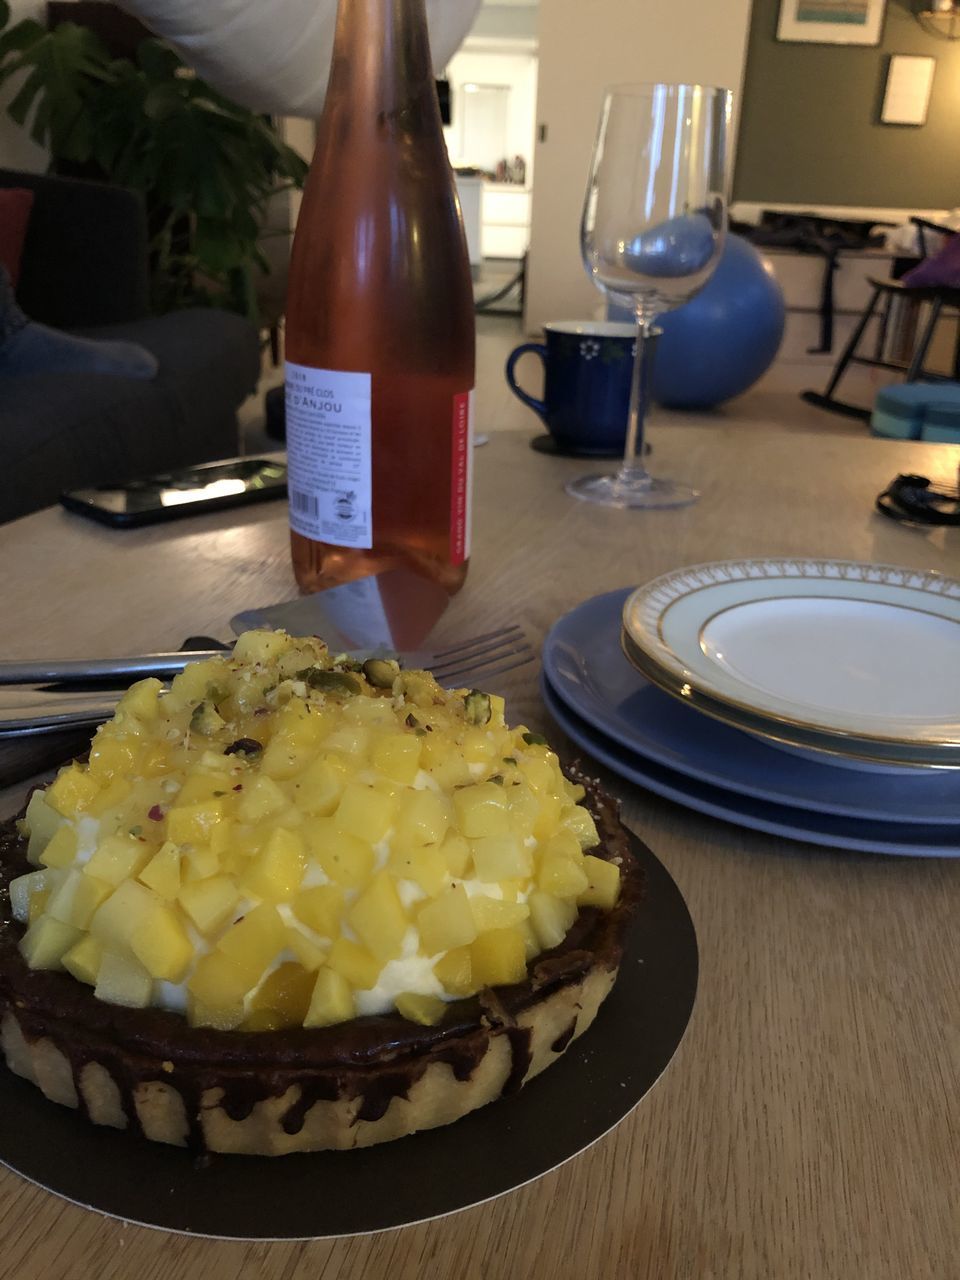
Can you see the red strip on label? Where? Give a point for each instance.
(459, 478)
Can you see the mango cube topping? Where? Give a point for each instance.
(285, 837)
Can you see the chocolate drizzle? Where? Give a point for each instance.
(371, 1060)
(520, 1058)
(381, 1091)
(126, 1083)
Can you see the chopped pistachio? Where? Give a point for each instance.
(381, 672)
(477, 707)
(330, 681)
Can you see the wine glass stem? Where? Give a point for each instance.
(632, 468)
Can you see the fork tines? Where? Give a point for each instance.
(487, 655)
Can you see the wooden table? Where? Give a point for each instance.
(810, 1123)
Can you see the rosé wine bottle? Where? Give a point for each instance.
(379, 323)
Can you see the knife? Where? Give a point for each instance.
(75, 670)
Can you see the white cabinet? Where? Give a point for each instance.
(506, 220)
(470, 193)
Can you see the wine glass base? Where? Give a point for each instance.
(638, 492)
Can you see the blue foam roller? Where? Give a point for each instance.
(918, 411)
(897, 413)
(933, 434)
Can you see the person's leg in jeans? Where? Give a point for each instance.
(29, 347)
(12, 319)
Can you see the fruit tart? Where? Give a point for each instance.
(296, 902)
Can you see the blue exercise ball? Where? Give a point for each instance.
(725, 338)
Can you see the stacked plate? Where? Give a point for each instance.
(813, 699)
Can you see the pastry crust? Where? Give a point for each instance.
(271, 1093)
(437, 1098)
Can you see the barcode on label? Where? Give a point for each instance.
(305, 502)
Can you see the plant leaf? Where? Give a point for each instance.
(162, 100)
(19, 108)
(158, 61)
(206, 166)
(21, 36)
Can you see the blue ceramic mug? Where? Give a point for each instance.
(587, 368)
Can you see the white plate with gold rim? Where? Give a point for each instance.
(861, 660)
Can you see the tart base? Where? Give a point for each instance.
(272, 1093)
(161, 1113)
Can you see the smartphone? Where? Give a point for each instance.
(209, 486)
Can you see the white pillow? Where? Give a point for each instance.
(274, 55)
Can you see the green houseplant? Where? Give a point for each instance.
(206, 167)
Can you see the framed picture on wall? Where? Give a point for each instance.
(831, 21)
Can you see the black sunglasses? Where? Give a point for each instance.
(914, 500)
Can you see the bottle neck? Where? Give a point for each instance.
(381, 55)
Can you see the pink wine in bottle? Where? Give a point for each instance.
(379, 324)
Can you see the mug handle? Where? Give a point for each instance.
(538, 348)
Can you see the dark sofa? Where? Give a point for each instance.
(84, 268)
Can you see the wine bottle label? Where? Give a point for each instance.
(328, 455)
(461, 478)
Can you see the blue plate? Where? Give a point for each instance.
(587, 670)
(908, 839)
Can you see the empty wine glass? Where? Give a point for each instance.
(654, 224)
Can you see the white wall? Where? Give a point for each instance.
(484, 65)
(583, 48)
(17, 151)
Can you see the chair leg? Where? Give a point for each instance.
(923, 346)
(853, 342)
(883, 328)
(903, 340)
(830, 265)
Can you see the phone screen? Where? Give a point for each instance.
(207, 486)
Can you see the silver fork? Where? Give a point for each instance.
(27, 711)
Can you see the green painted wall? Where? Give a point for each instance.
(810, 131)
